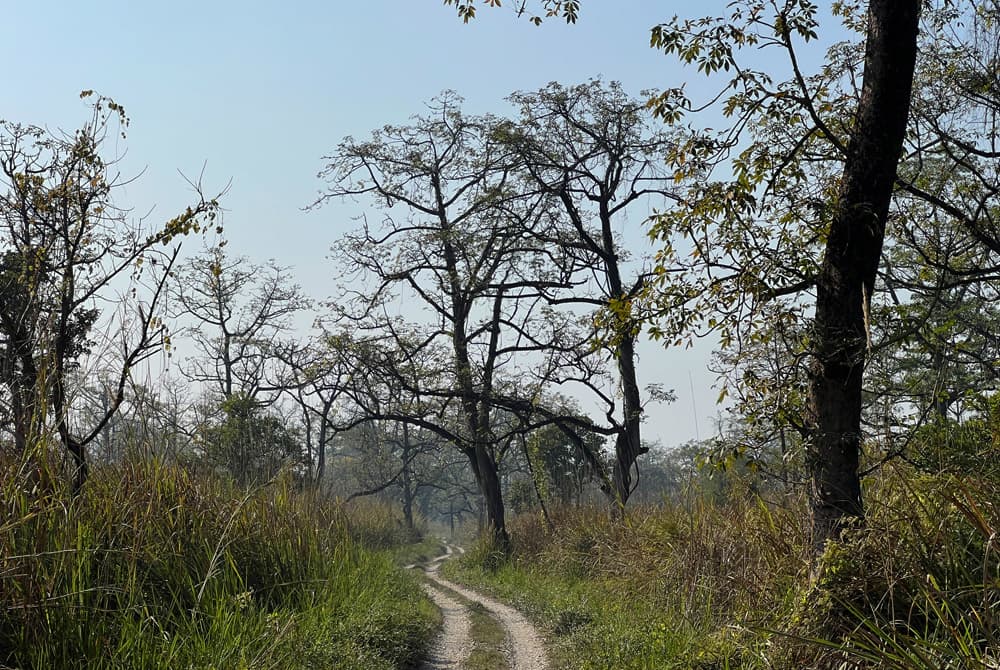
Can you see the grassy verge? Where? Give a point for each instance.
(711, 586)
(488, 641)
(153, 567)
(660, 591)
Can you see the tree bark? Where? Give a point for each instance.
(850, 262)
(489, 486)
(408, 493)
(628, 445)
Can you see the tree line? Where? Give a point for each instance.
(836, 235)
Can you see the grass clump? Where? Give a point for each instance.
(917, 588)
(155, 567)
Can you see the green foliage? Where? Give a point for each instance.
(568, 10)
(964, 448)
(250, 444)
(153, 567)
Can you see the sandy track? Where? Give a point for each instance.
(525, 647)
(455, 641)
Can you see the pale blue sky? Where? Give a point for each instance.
(259, 91)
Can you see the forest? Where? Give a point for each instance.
(446, 461)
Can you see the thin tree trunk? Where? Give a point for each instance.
(628, 446)
(534, 481)
(407, 481)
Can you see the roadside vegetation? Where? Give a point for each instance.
(708, 581)
(154, 566)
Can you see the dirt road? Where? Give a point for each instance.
(525, 649)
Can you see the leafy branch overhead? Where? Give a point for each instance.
(535, 12)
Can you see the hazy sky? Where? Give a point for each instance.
(258, 92)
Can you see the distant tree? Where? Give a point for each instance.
(235, 310)
(311, 374)
(394, 461)
(250, 443)
(456, 240)
(559, 466)
(599, 154)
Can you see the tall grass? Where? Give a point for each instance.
(154, 567)
(919, 587)
(679, 586)
(728, 585)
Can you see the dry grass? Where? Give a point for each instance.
(727, 585)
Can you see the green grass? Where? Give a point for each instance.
(659, 592)
(418, 553)
(711, 586)
(489, 640)
(154, 567)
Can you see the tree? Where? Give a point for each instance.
(559, 466)
(389, 459)
(311, 374)
(238, 309)
(461, 246)
(945, 261)
(250, 443)
(595, 151)
(850, 263)
(766, 380)
(854, 210)
(935, 336)
(67, 245)
(852, 213)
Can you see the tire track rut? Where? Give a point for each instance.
(526, 650)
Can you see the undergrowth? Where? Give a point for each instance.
(712, 585)
(154, 567)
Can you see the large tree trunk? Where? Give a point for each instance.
(24, 393)
(488, 478)
(484, 466)
(850, 262)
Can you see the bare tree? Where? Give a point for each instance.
(456, 241)
(66, 248)
(312, 376)
(599, 154)
(238, 309)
